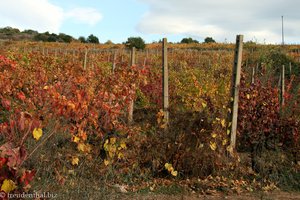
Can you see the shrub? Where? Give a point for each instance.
(136, 42)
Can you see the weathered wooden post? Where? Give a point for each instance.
(236, 76)
(165, 81)
(131, 103)
(85, 59)
(132, 59)
(114, 61)
(253, 75)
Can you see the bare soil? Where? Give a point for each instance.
(278, 195)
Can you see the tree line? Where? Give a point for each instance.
(9, 33)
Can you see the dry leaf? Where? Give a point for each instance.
(37, 133)
(8, 186)
(75, 161)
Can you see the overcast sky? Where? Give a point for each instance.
(257, 20)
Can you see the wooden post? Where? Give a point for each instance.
(122, 55)
(114, 62)
(282, 85)
(165, 81)
(132, 60)
(236, 76)
(85, 59)
(131, 103)
(73, 55)
(279, 81)
(253, 75)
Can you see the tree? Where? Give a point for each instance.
(108, 42)
(209, 40)
(188, 41)
(65, 38)
(82, 39)
(29, 31)
(92, 39)
(41, 37)
(136, 42)
(9, 30)
(52, 38)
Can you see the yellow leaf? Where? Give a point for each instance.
(224, 142)
(75, 161)
(8, 186)
(83, 147)
(229, 124)
(37, 133)
(204, 104)
(111, 154)
(113, 140)
(213, 135)
(168, 166)
(120, 155)
(223, 123)
(218, 119)
(213, 146)
(123, 145)
(106, 162)
(76, 139)
(228, 131)
(106, 145)
(248, 96)
(174, 173)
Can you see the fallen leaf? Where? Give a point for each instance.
(174, 173)
(106, 162)
(37, 133)
(8, 186)
(223, 123)
(75, 161)
(213, 146)
(76, 139)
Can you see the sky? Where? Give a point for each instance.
(116, 20)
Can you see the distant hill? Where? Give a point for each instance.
(14, 34)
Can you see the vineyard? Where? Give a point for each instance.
(84, 120)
